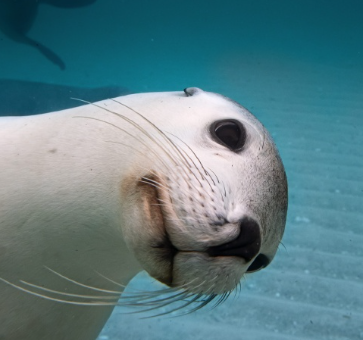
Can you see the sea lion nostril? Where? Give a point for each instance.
(246, 245)
(260, 262)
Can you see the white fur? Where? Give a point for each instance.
(69, 200)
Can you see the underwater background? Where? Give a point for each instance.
(297, 65)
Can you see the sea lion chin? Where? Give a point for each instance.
(186, 185)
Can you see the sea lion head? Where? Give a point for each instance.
(206, 198)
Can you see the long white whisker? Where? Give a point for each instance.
(157, 187)
(166, 138)
(137, 126)
(200, 163)
(126, 132)
(157, 303)
(58, 300)
(81, 284)
(69, 294)
(110, 280)
(196, 297)
(180, 154)
(201, 305)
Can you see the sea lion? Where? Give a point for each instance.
(24, 97)
(17, 17)
(186, 185)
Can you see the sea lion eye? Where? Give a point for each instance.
(230, 133)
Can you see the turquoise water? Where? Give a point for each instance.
(298, 66)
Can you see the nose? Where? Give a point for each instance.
(247, 244)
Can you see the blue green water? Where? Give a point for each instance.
(298, 66)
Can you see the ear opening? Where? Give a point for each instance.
(191, 91)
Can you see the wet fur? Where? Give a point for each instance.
(72, 239)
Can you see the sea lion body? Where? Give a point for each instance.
(51, 214)
(123, 185)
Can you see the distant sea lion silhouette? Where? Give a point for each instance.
(23, 98)
(17, 17)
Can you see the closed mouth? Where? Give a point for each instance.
(163, 248)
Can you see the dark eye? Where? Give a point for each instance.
(230, 133)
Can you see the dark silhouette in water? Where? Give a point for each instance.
(21, 98)
(17, 17)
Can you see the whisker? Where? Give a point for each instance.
(153, 183)
(81, 284)
(128, 133)
(169, 300)
(138, 151)
(201, 305)
(144, 131)
(130, 121)
(222, 299)
(219, 182)
(200, 163)
(166, 138)
(69, 294)
(176, 309)
(283, 245)
(58, 300)
(155, 141)
(110, 280)
(157, 292)
(158, 186)
(214, 175)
